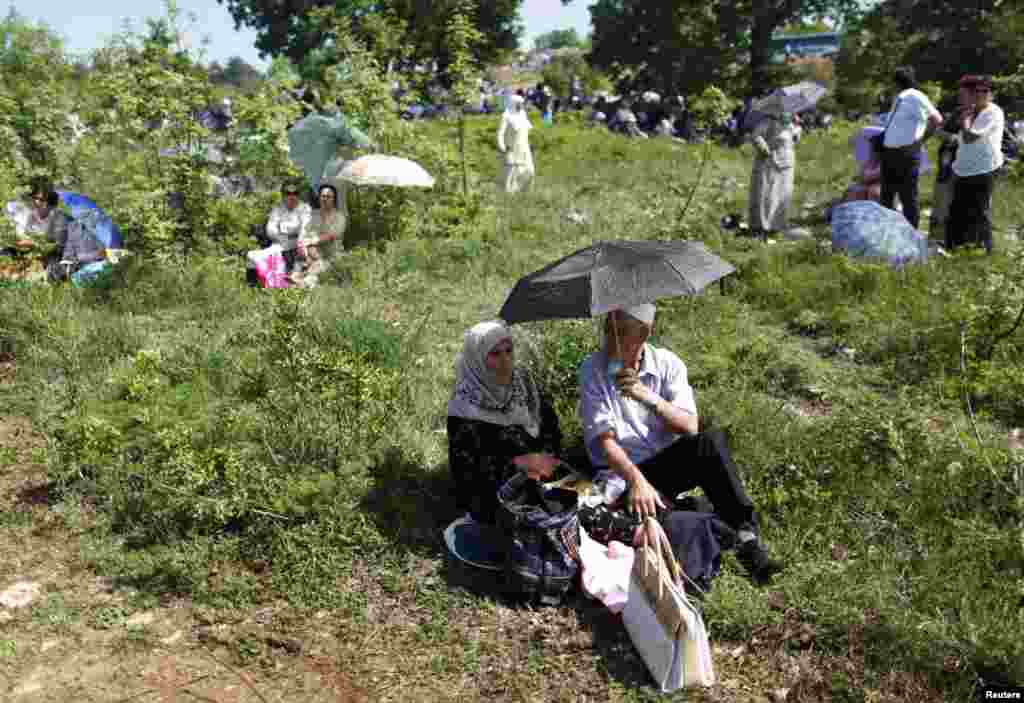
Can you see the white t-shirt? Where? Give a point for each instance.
(908, 123)
(983, 155)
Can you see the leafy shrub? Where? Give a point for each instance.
(373, 339)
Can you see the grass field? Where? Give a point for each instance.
(264, 467)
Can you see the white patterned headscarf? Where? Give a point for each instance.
(479, 396)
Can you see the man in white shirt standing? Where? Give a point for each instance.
(978, 158)
(912, 119)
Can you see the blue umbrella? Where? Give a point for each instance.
(866, 229)
(93, 219)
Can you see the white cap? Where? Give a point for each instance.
(643, 313)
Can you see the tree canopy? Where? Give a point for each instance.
(558, 39)
(686, 45)
(941, 39)
(286, 28)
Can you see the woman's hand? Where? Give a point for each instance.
(24, 244)
(644, 499)
(628, 383)
(538, 466)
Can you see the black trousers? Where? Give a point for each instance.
(702, 461)
(970, 212)
(900, 170)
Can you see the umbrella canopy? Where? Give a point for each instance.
(95, 222)
(382, 170)
(866, 229)
(612, 275)
(314, 139)
(861, 143)
(792, 98)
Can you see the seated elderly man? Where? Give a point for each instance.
(640, 421)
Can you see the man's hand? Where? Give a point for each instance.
(644, 499)
(628, 383)
(538, 466)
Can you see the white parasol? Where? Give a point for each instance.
(383, 170)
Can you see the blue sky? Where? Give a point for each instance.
(86, 24)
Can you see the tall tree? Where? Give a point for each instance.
(661, 38)
(285, 28)
(558, 39)
(679, 45)
(941, 39)
(239, 72)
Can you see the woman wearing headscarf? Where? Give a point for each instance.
(771, 182)
(501, 423)
(514, 144)
(498, 421)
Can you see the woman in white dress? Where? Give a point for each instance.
(514, 144)
(771, 182)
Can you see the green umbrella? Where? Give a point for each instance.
(314, 139)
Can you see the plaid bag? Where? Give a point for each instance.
(541, 530)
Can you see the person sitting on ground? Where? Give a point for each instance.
(626, 121)
(868, 184)
(288, 223)
(45, 221)
(640, 421)
(499, 422)
(41, 236)
(323, 235)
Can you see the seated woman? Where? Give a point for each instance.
(500, 423)
(326, 228)
(868, 184)
(44, 228)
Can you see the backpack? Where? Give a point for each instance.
(541, 533)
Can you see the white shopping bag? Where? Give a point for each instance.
(666, 629)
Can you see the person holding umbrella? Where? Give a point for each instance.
(773, 173)
(640, 421)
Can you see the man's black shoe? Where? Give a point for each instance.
(754, 558)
